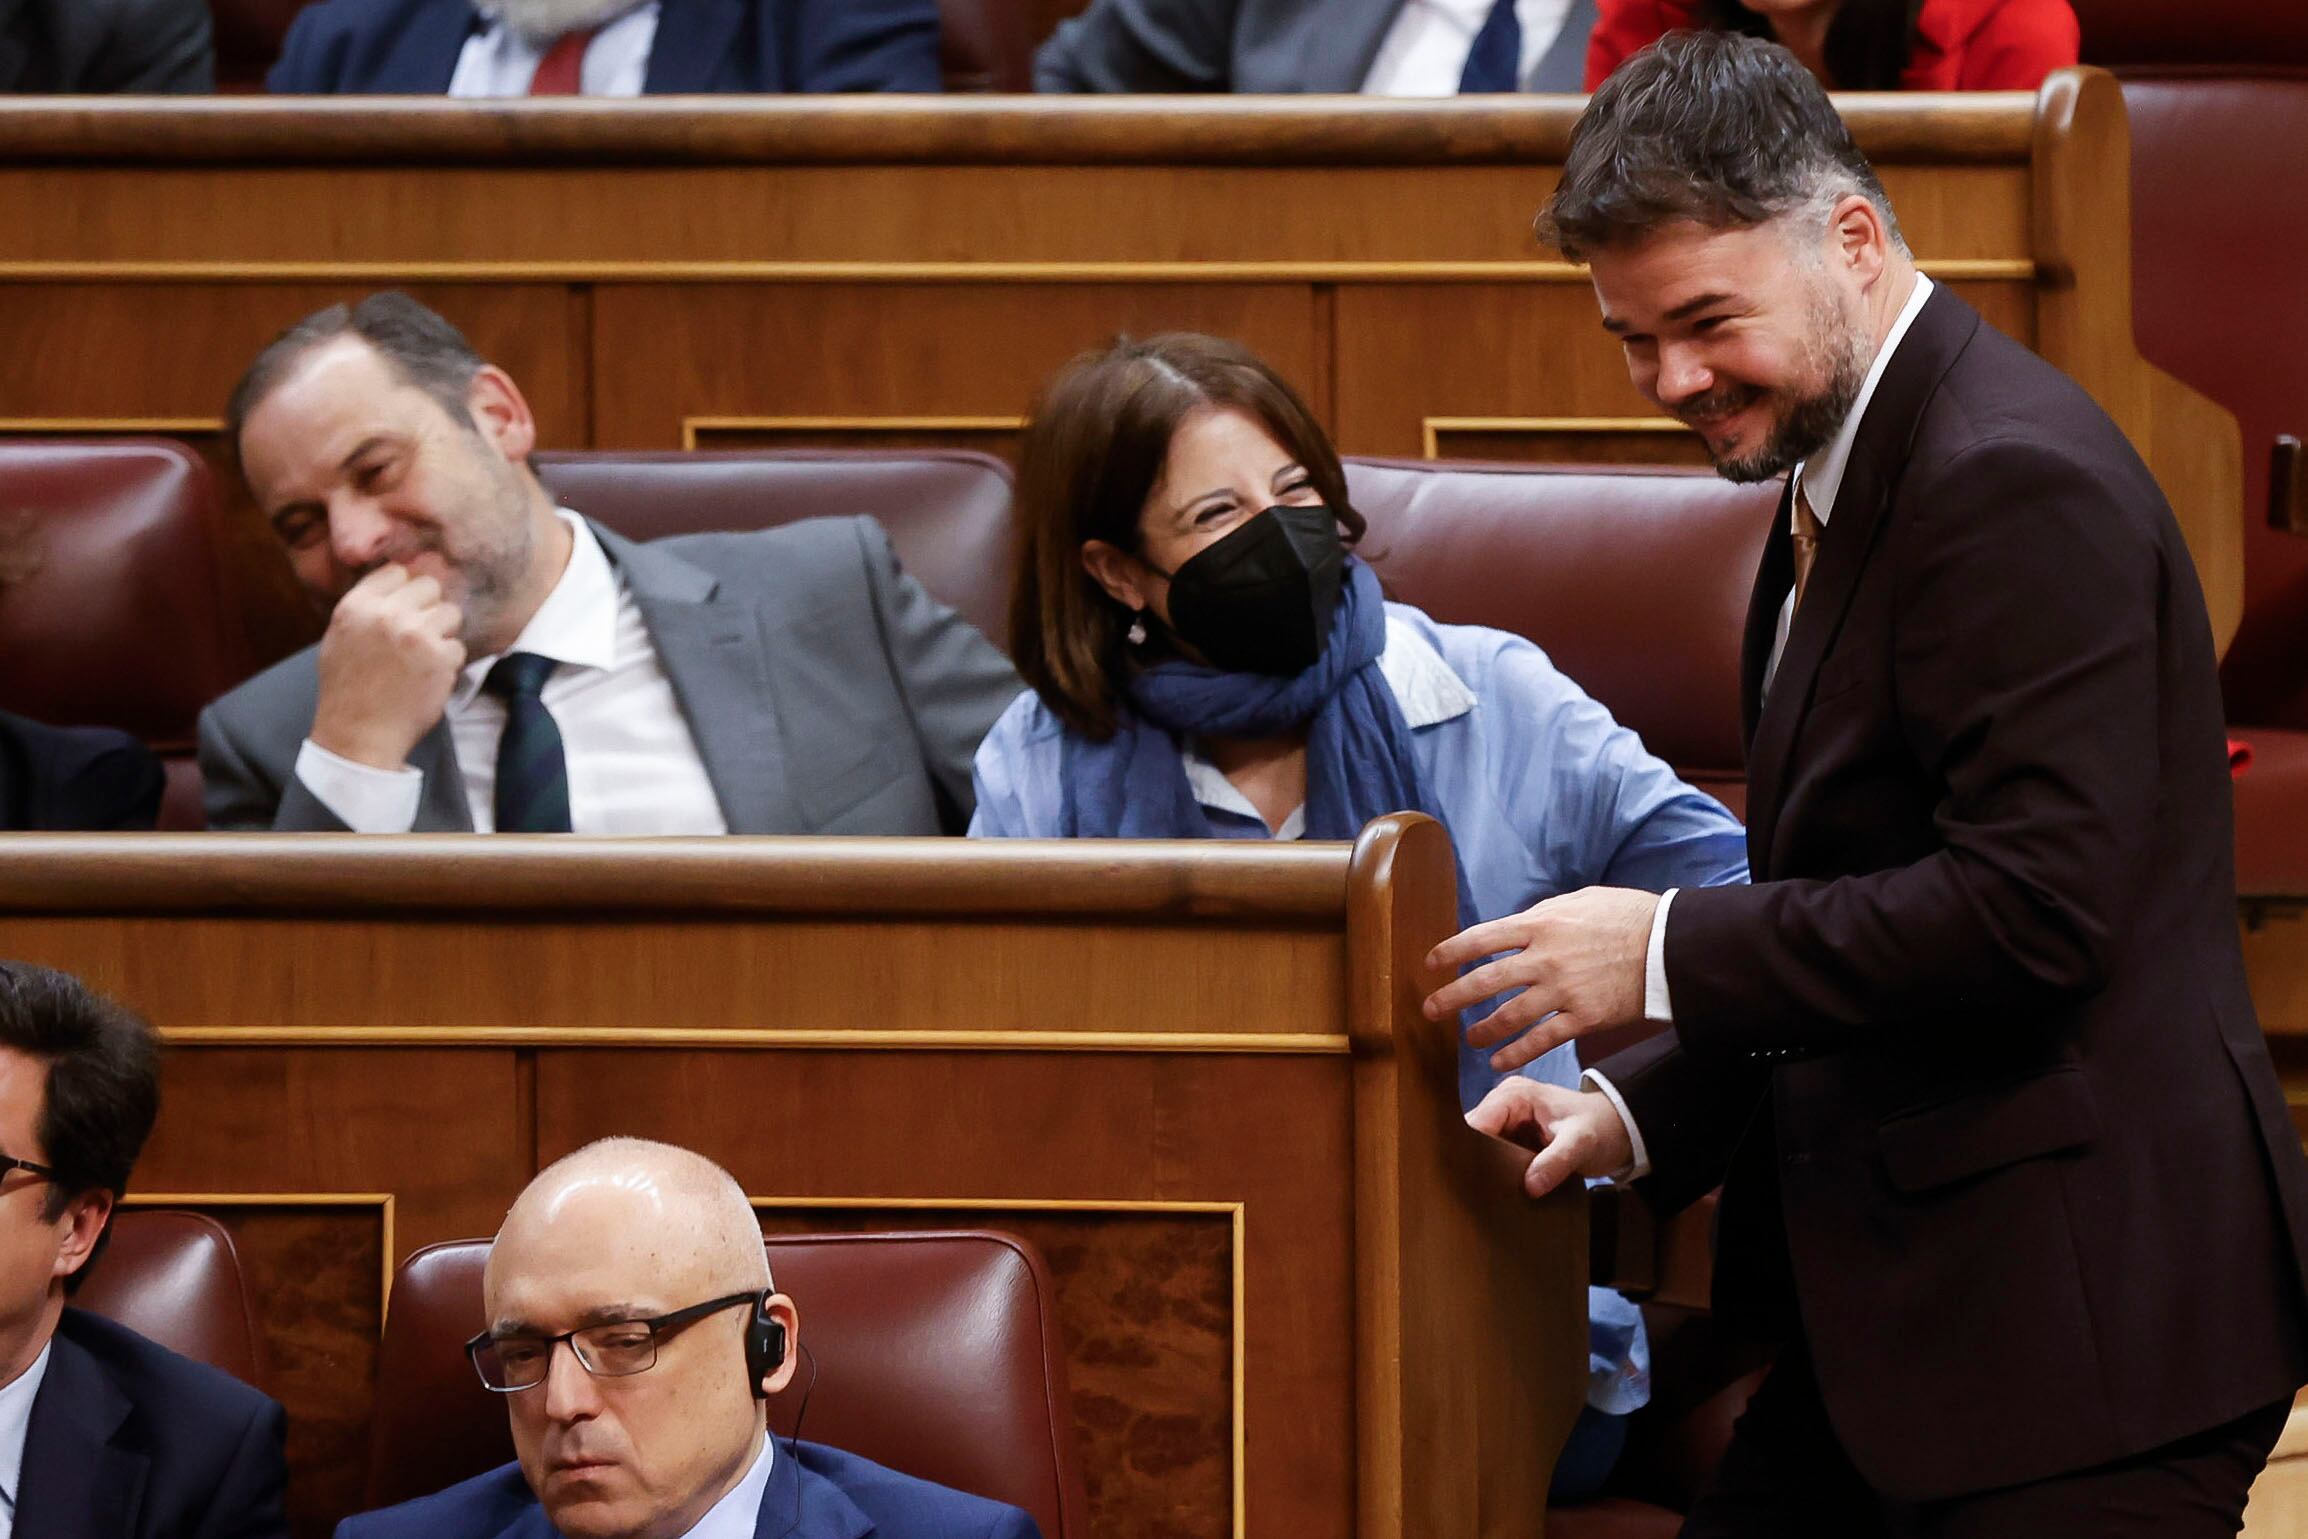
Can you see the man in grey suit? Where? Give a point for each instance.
(102, 46)
(1376, 47)
(494, 662)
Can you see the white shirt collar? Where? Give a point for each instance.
(15, 1421)
(1821, 476)
(577, 623)
(1428, 689)
(738, 1512)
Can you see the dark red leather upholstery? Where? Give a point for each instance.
(112, 609)
(2272, 814)
(175, 1278)
(1634, 581)
(947, 510)
(2221, 34)
(937, 1353)
(248, 39)
(985, 45)
(2218, 98)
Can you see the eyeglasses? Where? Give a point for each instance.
(611, 1351)
(10, 1162)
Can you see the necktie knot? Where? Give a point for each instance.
(519, 676)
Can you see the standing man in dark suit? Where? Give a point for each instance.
(74, 778)
(106, 46)
(103, 1434)
(1336, 47)
(608, 47)
(2006, 1171)
(494, 662)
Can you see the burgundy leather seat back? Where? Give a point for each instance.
(175, 1278)
(1634, 581)
(985, 45)
(112, 609)
(947, 510)
(935, 1353)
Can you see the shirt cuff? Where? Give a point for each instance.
(1658, 1005)
(1640, 1165)
(365, 799)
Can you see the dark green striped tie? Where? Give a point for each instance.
(532, 775)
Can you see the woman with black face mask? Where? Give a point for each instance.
(1209, 660)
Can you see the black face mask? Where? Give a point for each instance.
(1260, 600)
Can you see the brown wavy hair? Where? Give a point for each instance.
(1100, 435)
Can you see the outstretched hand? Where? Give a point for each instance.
(1576, 1132)
(1578, 959)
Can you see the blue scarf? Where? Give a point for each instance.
(1359, 763)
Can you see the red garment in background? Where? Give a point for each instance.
(1960, 45)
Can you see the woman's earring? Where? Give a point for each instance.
(1137, 632)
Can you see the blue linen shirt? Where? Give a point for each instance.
(1544, 793)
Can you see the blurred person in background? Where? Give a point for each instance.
(1865, 45)
(1374, 47)
(608, 47)
(106, 46)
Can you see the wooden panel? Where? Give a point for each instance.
(2276, 958)
(1146, 1303)
(1270, 1134)
(1564, 440)
(987, 435)
(669, 353)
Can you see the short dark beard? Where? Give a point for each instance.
(1843, 353)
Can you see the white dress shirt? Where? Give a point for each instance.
(15, 1421)
(633, 763)
(498, 61)
(1425, 52)
(738, 1513)
(1820, 478)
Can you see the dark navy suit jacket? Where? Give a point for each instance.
(74, 778)
(814, 1492)
(130, 1441)
(410, 47)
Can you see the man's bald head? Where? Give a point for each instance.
(659, 1204)
(620, 1232)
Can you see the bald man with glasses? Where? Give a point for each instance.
(635, 1334)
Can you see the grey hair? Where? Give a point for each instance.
(1710, 128)
(422, 347)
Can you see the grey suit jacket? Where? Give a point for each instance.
(828, 693)
(103, 46)
(1249, 46)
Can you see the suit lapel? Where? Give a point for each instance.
(713, 649)
(693, 38)
(802, 1504)
(75, 1481)
(1879, 455)
(1344, 42)
(423, 58)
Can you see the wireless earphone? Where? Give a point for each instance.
(764, 1343)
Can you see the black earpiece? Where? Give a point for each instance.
(764, 1343)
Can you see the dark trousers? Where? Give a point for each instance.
(1785, 1476)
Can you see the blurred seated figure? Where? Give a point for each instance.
(95, 47)
(103, 1434)
(635, 1333)
(1377, 47)
(74, 778)
(1866, 45)
(1209, 661)
(493, 662)
(608, 47)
